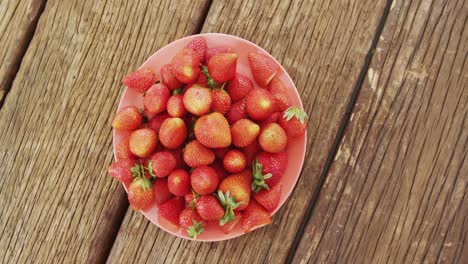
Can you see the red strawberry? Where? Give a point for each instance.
(185, 65)
(227, 228)
(170, 210)
(161, 191)
(198, 44)
(239, 187)
(272, 138)
(236, 112)
(178, 156)
(213, 131)
(272, 163)
(175, 106)
(209, 208)
(198, 100)
(220, 152)
(254, 216)
(202, 80)
(140, 194)
(122, 150)
(156, 122)
(179, 182)
(163, 163)
(143, 142)
(221, 101)
(271, 119)
(204, 180)
(213, 51)
(219, 169)
(196, 155)
(191, 222)
(222, 66)
(263, 68)
(251, 151)
(244, 132)
(234, 161)
(294, 122)
(168, 78)
(173, 132)
(239, 87)
(191, 199)
(155, 99)
(140, 80)
(278, 89)
(260, 104)
(269, 198)
(128, 118)
(121, 170)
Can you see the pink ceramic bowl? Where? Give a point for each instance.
(295, 149)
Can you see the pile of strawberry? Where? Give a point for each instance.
(208, 146)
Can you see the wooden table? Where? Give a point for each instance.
(385, 83)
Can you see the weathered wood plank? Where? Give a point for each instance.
(18, 20)
(322, 44)
(58, 204)
(397, 191)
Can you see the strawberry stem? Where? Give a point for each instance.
(259, 178)
(196, 229)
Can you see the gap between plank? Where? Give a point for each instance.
(340, 133)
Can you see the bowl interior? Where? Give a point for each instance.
(295, 148)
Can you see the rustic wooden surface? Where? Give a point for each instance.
(58, 204)
(17, 23)
(397, 191)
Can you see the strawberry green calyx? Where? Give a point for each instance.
(150, 168)
(194, 201)
(196, 229)
(229, 204)
(296, 112)
(178, 91)
(259, 178)
(211, 83)
(143, 182)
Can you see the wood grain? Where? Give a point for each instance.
(58, 204)
(397, 191)
(322, 44)
(18, 21)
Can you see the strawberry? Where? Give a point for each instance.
(222, 66)
(278, 89)
(140, 193)
(140, 80)
(271, 119)
(272, 138)
(163, 163)
(254, 216)
(219, 169)
(263, 68)
(209, 208)
(204, 180)
(156, 122)
(122, 151)
(251, 151)
(155, 99)
(128, 118)
(214, 51)
(239, 86)
(202, 80)
(185, 65)
(227, 227)
(221, 101)
(191, 199)
(198, 100)
(191, 222)
(198, 45)
(143, 142)
(161, 191)
(234, 161)
(178, 156)
(170, 210)
(175, 106)
(229, 204)
(260, 104)
(274, 164)
(220, 152)
(213, 131)
(168, 78)
(121, 170)
(294, 122)
(236, 112)
(196, 155)
(269, 198)
(244, 132)
(179, 182)
(173, 132)
(239, 187)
